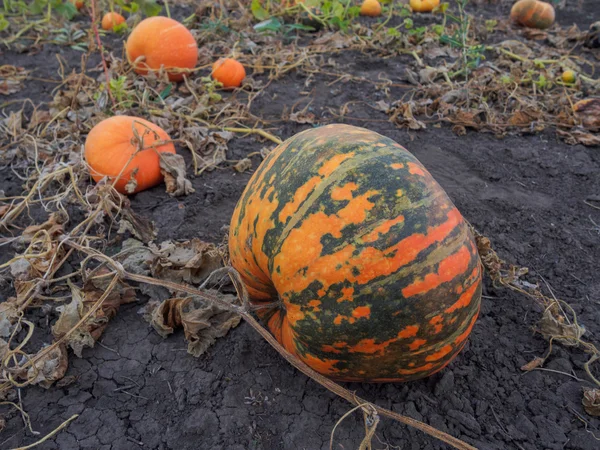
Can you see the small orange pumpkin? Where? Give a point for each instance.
(229, 72)
(78, 4)
(533, 14)
(424, 5)
(162, 42)
(371, 8)
(111, 20)
(111, 144)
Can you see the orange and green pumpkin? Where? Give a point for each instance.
(533, 14)
(374, 272)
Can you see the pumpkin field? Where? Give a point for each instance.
(300, 224)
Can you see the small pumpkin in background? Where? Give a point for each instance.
(424, 5)
(569, 76)
(229, 72)
(371, 8)
(111, 20)
(533, 14)
(78, 4)
(372, 272)
(111, 144)
(162, 42)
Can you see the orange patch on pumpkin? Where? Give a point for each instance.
(464, 300)
(381, 229)
(324, 366)
(448, 269)
(333, 163)
(424, 368)
(440, 353)
(417, 344)
(344, 192)
(346, 295)
(361, 311)
(437, 323)
(397, 166)
(414, 169)
(409, 331)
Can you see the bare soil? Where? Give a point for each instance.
(527, 193)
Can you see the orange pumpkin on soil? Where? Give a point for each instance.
(78, 4)
(424, 5)
(229, 72)
(533, 14)
(371, 271)
(110, 146)
(111, 20)
(371, 8)
(162, 42)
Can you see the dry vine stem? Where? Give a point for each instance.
(245, 312)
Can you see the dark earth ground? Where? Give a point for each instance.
(526, 193)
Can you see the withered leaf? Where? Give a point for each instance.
(202, 322)
(591, 401)
(534, 363)
(402, 116)
(588, 112)
(243, 165)
(50, 368)
(553, 325)
(141, 227)
(82, 301)
(172, 166)
(191, 261)
(302, 117)
(579, 137)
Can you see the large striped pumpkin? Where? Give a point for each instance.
(374, 273)
(533, 14)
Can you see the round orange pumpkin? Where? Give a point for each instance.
(162, 42)
(424, 5)
(371, 272)
(78, 4)
(533, 14)
(111, 143)
(111, 20)
(229, 72)
(569, 76)
(371, 8)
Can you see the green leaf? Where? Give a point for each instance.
(149, 7)
(393, 32)
(438, 29)
(405, 11)
(270, 25)
(166, 91)
(120, 28)
(67, 10)
(408, 23)
(3, 23)
(258, 11)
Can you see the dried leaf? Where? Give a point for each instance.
(555, 326)
(302, 117)
(82, 301)
(534, 363)
(54, 226)
(172, 166)
(191, 261)
(139, 226)
(11, 79)
(588, 112)
(202, 322)
(591, 401)
(402, 116)
(243, 165)
(50, 368)
(579, 137)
